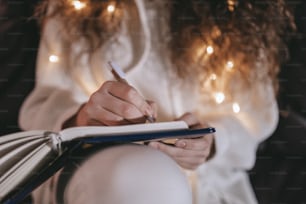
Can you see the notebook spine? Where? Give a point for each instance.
(56, 141)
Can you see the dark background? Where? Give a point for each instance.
(19, 38)
(279, 175)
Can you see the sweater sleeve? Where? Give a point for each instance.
(238, 134)
(222, 179)
(56, 96)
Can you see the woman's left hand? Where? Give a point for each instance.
(189, 153)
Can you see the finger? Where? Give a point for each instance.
(188, 159)
(193, 144)
(110, 118)
(168, 149)
(175, 151)
(191, 161)
(128, 94)
(97, 114)
(117, 106)
(199, 143)
(190, 119)
(196, 154)
(212, 150)
(154, 108)
(94, 122)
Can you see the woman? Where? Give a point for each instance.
(205, 62)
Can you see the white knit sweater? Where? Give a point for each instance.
(62, 87)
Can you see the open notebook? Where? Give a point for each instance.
(25, 155)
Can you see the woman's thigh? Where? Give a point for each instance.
(128, 174)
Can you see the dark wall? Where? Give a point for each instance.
(293, 73)
(279, 175)
(19, 38)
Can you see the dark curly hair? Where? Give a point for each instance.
(206, 36)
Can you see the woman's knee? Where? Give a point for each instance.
(135, 173)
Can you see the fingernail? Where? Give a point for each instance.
(154, 145)
(181, 144)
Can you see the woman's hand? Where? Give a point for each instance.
(189, 153)
(115, 103)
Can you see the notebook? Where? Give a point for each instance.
(24, 156)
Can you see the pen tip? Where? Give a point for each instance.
(151, 119)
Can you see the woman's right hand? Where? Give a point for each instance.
(115, 103)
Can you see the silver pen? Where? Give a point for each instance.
(120, 76)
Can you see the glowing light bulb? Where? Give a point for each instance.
(213, 77)
(111, 8)
(53, 58)
(210, 50)
(231, 2)
(230, 65)
(219, 97)
(78, 5)
(236, 108)
(231, 5)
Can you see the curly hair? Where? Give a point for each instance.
(207, 37)
(92, 24)
(248, 34)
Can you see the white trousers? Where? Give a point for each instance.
(128, 174)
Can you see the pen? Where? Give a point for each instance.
(120, 76)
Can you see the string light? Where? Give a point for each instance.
(213, 77)
(53, 58)
(78, 5)
(210, 50)
(219, 97)
(232, 4)
(111, 8)
(230, 65)
(236, 108)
